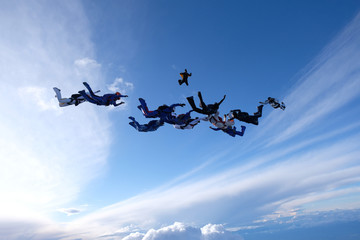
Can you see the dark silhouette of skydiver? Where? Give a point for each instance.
(274, 103)
(245, 117)
(151, 126)
(204, 109)
(231, 130)
(105, 100)
(184, 76)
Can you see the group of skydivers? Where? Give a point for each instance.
(166, 114)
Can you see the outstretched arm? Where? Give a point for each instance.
(215, 129)
(118, 104)
(177, 105)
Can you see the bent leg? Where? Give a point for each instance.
(202, 104)
(192, 104)
(87, 98)
(242, 131)
(58, 93)
(134, 125)
(89, 88)
(143, 107)
(259, 112)
(62, 101)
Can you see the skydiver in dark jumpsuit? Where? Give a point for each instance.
(274, 103)
(151, 126)
(161, 111)
(104, 100)
(204, 109)
(245, 117)
(184, 76)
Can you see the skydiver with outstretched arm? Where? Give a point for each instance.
(246, 117)
(274, 103)
(184, 76)
(105, 100)
(206, 109)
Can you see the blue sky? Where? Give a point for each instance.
(84, 173)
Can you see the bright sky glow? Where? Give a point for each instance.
(84, 173)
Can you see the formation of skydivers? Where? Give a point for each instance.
(166, 114)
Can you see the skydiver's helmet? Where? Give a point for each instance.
(118, 94)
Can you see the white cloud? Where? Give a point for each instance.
(87, 62)
(42, 167)
(69, 211)
(331, 82)
(38, 96)
(46, 156)
(180, 231)
(119, 85)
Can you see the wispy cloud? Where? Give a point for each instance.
(277, 177)
(69, 211)
(285, 177)
(119, 85)
(86, 62)
(46, 156)
(330, 83)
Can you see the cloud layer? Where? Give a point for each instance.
(306, 157)
(46, 155)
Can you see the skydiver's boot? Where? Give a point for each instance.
(202, 104)
(282, 106)
(259, 112)
(180, 81)
(242, 130)
(58, 93)
(191, 102)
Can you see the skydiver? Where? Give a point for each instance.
(75, 99)
(151, 126)
(231, 130)
(219, 122)
(105, 100)
(245, 117)
(184, 76)
(205, 109)
(161, 111)
(274, 103)
(181, 119)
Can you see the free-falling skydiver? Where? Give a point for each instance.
(206, 109)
